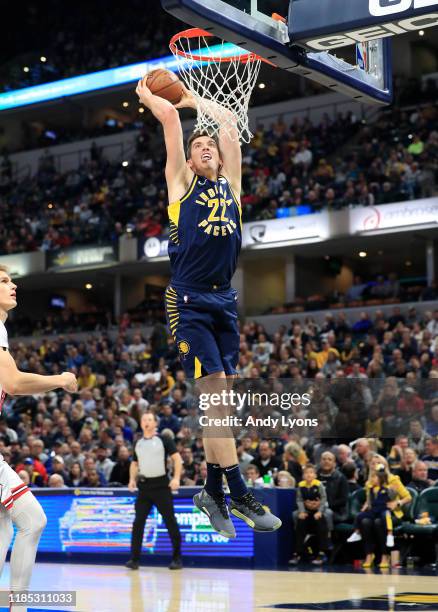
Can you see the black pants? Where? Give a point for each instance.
(161, 497)
(374, 532)
(310, 525)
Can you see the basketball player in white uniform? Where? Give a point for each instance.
(17, 504)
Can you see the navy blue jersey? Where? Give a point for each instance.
(379, 497)
(205, 235)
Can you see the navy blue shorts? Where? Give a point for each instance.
(204, 327)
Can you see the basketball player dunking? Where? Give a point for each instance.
(204, 244)
(18, 506)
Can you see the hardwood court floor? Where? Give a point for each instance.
(115, 589)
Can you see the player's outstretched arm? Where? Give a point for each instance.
(228, 138)
(177, 172)
(15, 382)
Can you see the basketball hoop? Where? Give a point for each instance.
(223, 74)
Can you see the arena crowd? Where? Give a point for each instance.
(373, 384)
(288, 169)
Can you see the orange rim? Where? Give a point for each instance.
(197, 33)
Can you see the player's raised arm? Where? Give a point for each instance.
(177, 172)
(15, 382)
(229, 143)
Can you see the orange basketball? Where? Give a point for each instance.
(165, 84)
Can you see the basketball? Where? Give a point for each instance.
(165, 84)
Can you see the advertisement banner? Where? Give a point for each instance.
(24, 264)
(280, 232)
(399, 216)
(81, 257)
(100, 521)
(152, 248)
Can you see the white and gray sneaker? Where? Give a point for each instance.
(215, 507)
(248, 509)
(355, 537)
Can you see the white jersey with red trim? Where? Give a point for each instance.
(4, 344)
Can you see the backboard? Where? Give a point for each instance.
(249, 24)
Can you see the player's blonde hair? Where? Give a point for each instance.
(4, 269)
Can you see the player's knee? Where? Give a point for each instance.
(38, 520)
(41, 521)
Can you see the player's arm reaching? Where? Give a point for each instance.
(228, 138)
(178, 174)
(15, 382)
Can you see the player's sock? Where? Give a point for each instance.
(30, 520)
(213, 484)
(235, 481)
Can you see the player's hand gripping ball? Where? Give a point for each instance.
(165, 84)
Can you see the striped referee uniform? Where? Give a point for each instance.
(153, 489)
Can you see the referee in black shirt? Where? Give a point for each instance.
(148, 474)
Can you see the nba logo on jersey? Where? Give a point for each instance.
(362, 55)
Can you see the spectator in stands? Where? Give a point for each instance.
(374, 422)
(420, 481)
(294, 458)
(88, 473)
(354, 293)
(417, 145)
(120, 471)
(432, 421)
(35, 478)
(343, 455)
(23, 474)
(75, 474)
(36, 464)
(430, 457)
(303, 157)
(265, 460)
(284, 480)
(91, 479)
(351, 473)
(410, 403)
(417, 436)
(189, 465)
(311, 516)
(141, 404)
(336, 486)
(201, 476)
(8, 435)
(396, 455)
(168, 420)
(405, 471)
(374, 532)
(58, 467)
(252, 476)
(56, 481)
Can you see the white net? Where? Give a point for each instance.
(221, 79)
